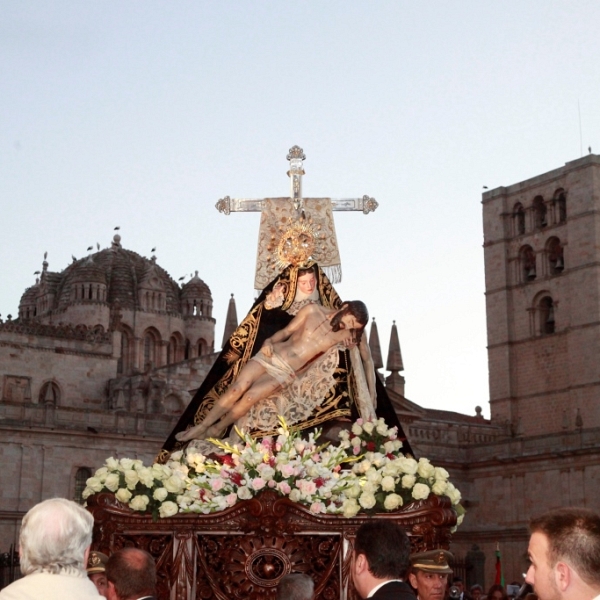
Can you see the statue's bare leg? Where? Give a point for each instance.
(260, 389)
(251, 373)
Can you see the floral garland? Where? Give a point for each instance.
(380, 479)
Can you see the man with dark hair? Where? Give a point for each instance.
(381, 560)
(312, 332)
(131, 575)
(295, 586)
(564, 550)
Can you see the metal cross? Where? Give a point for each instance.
(227, 205)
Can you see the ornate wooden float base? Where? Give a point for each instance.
(242, 552)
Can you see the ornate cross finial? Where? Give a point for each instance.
(296, 156)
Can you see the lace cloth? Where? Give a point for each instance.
(296, 401)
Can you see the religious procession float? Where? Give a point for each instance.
(289, 444)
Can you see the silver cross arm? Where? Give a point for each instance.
(227, 205)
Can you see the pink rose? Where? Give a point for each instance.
(216, 484)
(258, 483)
(284, 487)
(231, 499)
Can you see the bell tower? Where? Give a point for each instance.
(542, 278)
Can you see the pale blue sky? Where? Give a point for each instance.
(144, 114)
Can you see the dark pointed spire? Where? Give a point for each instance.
(394, 380)
(375, 346)
(231, 321)
(394, 360)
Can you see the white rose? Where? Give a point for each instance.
(126, 463)
(146, 476)
(425, 469)
(408, 481)
(408, 465)
(139, 503)
(344, 435)
(176, 455)
(354, 491)
(350, 507)
(356, 429)
(392, 502)
(102, 472)
(389, 447)
(356, 442)
(367, 500)
(295, 495)
(388, 484)
(370, 488)
(373, 476)
(168, 509)
(453, 494)
(112, 482)
(174, 484)
(244, 493)
(112, 463)
(123, 495)
(95, 484)
(368, 427)
(131, 478)
(382, 428)
(441, 474)
(420, 491)
(160, 472)
(160, 494)
(439, 488)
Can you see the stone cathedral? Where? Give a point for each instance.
(105, 355)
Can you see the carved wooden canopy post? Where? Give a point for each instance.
(242, 552)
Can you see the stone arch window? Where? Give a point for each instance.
(81, 476)
(172, 405)
(540, 212)
(560, 206)
(527, 266)
(545, 314)
(555, 256)
(49, 394)
(151, 348)
(187, 353)
(202, 347)
(175, 348)
(126, 358)
(519, 219)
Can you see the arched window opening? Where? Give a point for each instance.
(540, 212)
(560, 202)
(172, 405)
(49, 394)
(172, 351)
(546, 316)
(519, 219)
(555, 253)
(150, 353)
(202, 347)
(527, 263)
(195, 311)
(186, 354)
(81, 477)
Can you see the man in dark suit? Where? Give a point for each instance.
(131, 575)
(381, 560)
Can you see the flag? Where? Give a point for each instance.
(499, 579)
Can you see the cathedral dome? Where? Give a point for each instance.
(121, 271)
(196, 288)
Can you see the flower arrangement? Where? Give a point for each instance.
(366, 472)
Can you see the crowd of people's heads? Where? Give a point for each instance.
(564, 554)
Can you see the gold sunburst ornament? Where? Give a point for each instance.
(297, 244)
